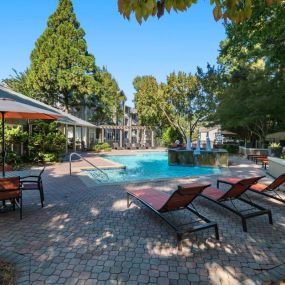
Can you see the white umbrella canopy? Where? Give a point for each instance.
(11, 109)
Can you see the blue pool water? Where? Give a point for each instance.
(149, 166)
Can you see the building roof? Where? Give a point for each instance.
(66, 119)
(276, 136)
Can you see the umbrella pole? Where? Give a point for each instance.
(3, 143)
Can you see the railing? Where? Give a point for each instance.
(80, 156)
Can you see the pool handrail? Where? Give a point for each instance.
(80, 156)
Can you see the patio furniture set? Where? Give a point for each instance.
(259, 158)
(12, 188)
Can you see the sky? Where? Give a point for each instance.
(175, 42)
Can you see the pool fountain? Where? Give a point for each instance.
(199, 156)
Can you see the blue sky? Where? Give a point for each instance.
(179, 41)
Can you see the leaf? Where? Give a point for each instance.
(217, 12)
(168, 5)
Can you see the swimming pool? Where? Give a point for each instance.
(149, 166)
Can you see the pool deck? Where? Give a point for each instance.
(87, 235)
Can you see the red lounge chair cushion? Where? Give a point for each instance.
(213, 193)
(156, 199)
(230, 180)
(259, 187)
(189, 186)
(9, 194)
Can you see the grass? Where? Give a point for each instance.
(7, 273)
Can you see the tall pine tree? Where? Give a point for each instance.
(62, 70)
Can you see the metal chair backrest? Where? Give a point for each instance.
(277, 182)
(42, 171)
(183, 196)
(240, 187)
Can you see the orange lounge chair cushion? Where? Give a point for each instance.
(213, 193)
(5, 195)
(156, 199)
(230, 180)
(259, 187)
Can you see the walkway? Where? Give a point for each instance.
(88, 236)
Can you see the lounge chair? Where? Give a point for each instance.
(34, 182)
(116, 146)
(160, 202)
(128, 146)
(234, 193)
(136, 145)
(10, 189)
(262, 188)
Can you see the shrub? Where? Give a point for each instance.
(231, 148)
(47, 142)
(100, 147)
(12, 158)
(169, 136)
(274, 145)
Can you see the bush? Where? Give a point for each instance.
(100, 147)
(231, 148)
(12, 158)
(47, 143)
(169, 136)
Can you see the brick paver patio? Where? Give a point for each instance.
(86, 235)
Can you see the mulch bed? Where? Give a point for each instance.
(7, 273)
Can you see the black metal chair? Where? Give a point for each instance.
(34, 182)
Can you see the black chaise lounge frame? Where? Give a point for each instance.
(179, 200)
(234, 193)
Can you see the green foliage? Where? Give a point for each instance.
(13, 134)
(235, 10)
(107, 101)
(19, 83)
(62, 70)
(181, 103)
(146, 101)
(169, 136)
(252, 57)
(231, 148)
(12, 158)
(101, 147)
(274, 144)
(47, 142)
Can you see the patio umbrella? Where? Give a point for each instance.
(11, 109)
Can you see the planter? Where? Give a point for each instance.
(275, 151)
(276, 166)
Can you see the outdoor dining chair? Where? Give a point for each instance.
(10, 189)
(34, 182)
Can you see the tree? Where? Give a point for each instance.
(18, 82)
(253, 62)
(107, 101)
(62, 70)
(236, 10)
(146, 100)
(179, 103)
